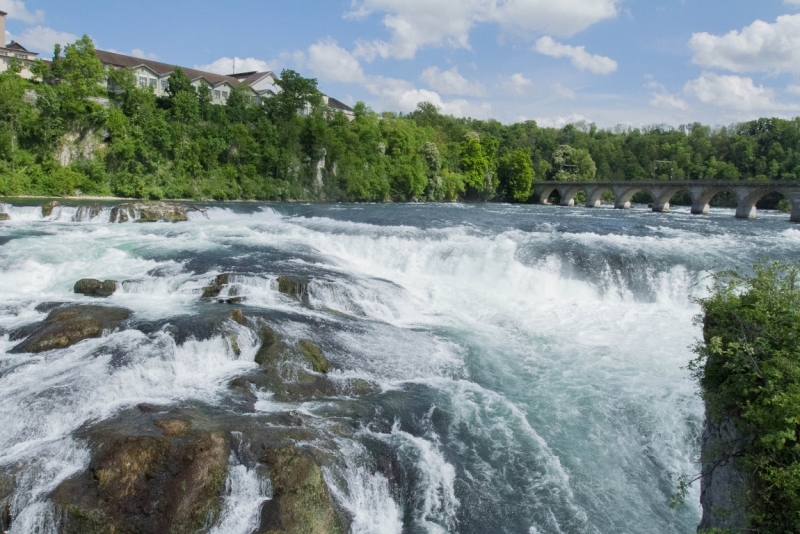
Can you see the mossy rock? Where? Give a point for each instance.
(301, 503)
(314, 355)
(171, 484)
(47, 209)
(5, 217)
(68, 326)
(294, 287)
(95, 288)
(273, 349)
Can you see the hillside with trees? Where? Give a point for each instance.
(61, 137)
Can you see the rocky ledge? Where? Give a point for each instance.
(145, 212)
(67, 326)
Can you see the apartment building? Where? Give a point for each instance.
(15, 51)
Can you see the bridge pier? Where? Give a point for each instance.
(622, 205)
(701, 209)
(662, 207)
(795, 200)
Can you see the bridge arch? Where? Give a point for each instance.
(594, 195)
(663, 195)
(747, 200)
(543, 193)
(624, 195)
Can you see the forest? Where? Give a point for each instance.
(69, 135)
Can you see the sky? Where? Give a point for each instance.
(611, 62)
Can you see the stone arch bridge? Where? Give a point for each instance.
(747, 194)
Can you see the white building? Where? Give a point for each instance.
(16, 51)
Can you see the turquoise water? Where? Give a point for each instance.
(529, 360)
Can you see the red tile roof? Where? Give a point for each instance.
(162, 69)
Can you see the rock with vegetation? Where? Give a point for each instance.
(314, 355)
(95, 288)
(69, 325)
(216, 286)
(748, 368)
(300, 503)
(171, 484)
(5, 217)
(148, 213)
(294, 287)
(47, 209)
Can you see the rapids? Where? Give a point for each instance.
(529, 360)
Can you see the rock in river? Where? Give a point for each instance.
(68, 326)
(95, 288)
(143, 213)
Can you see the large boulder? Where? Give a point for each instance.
(146, 212)
(171, 484)
(5, 217)
(314, 356)
(294, 287)
(47, 209)
(70, 325)
(95, 288)
(300, 502)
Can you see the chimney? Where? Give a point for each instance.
(3, 28)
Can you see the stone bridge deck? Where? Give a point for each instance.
(747, 194)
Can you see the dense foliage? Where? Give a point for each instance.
(58, 137)
(749, 370)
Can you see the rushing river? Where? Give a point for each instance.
(529, 359)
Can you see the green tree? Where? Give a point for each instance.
(573, 164)
(516, 175)
(475, 167)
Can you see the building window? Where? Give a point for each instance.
(22, 56)
(142, 81)
(256, 100)
(216, 95)
(164, 84)
(153, 82)
(225, 94)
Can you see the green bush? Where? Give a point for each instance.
(749, 369)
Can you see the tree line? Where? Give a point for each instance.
(58, 136)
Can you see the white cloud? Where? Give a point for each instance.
(451, 82)
(664, 99)
(578, 55)
(734, 92)
(418, 23)
(330, 62)
(564, 91)
(760, 47)
(560, 122)
(517, 84)
(225, 65)
(16, 10)
(333, 63)
(43, 39)
(670, 101)
(138, 52)
(794, 89)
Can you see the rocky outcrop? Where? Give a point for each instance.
(95, 288)
(5, 217)
(67, 326)
(148, 213)
(314, 355)
(87, 213)
(220, 284)
(171, 484)
(300, 502)
(47, 209)
(294, 287)
(724, 484)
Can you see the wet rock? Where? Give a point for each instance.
(294, 287)
(6, 493)
(68, 326)
(272, 347)
(217, 286)
(238, 316)
(148, 213)
(95, 288)
(87, 213)
(314, 355)
(5, 217)
(174, 428)
(300, 503)
(147, 484)
(47, 209)
(47, 307)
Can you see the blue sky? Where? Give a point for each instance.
(611, 62)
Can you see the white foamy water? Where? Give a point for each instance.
(526, 366)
